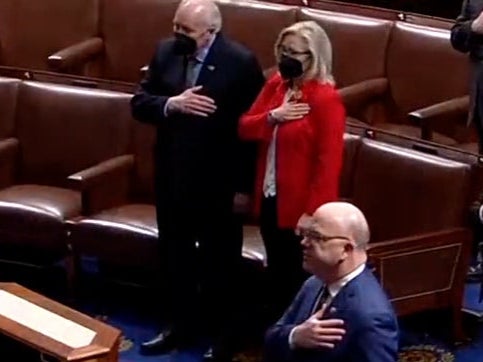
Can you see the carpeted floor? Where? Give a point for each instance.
(419, 344)
(133, 313)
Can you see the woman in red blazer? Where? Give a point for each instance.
(298, 120)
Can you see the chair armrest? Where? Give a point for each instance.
(75, 55)
(425, 271)
(439, 114)
(359, 95)
(8, 156)
(143, 71)
(104, 185)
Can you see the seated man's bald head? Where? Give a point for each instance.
(200, 13)
(348, 217)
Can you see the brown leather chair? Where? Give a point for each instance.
(422, 70)
(120, 231)
(127, 24)
(59, 130)
(359, 44)
(416, 205)
(115, 229)
(266, 22)
(30, 31)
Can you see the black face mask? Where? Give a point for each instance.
(290, 68)
(184, 45)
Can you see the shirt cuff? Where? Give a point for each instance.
(166, 107)
(290, 339)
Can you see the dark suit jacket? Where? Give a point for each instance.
(370, 323)
(200, 161)
(466, 41)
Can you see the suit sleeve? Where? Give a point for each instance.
(462, 37)
(377, 340)
(253, 124)
(329, 118)
(277, 348)
(148, 103)
(247, 151)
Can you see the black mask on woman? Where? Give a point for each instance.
(183, 44)
(290, 68)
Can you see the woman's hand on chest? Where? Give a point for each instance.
(289, 111)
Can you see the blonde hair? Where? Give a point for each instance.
(319, 46)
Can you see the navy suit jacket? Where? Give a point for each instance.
(370, 323)
(201, 160)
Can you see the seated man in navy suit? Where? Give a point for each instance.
(341, 313)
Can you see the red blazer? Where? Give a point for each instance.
(309, 151)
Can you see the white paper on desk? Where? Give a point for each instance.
(44, 322)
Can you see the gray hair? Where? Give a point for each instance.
(208, 9)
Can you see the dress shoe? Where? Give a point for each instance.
(164, 342)
(218, 353)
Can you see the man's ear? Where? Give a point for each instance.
(349, 246)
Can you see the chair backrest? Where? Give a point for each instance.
(423, 68)
(8, 102)
(256, 25)
(30, 31)
(404, 192)
(359, 44)
(64, 129)
(131, 30)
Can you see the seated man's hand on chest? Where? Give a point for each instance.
(316, 333)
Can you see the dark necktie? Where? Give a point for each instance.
(323, 297)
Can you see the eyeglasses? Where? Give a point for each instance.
(291, 52)
(315, 236)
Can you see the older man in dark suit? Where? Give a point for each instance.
(198, 85)
(341, 313)
(467, 37)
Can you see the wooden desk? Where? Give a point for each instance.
(103, 347)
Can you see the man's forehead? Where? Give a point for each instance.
(326, 223)
(188, 20)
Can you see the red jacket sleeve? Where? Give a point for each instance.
(253, 125)
(329, 126)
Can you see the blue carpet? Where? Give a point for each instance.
(471, 301)
(414, 348)
(132, 313)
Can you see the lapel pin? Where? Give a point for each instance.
(211, 68)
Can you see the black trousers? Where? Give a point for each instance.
(201, 258)
(284, 260)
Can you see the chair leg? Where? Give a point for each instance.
(459, 335)
(72, 268)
